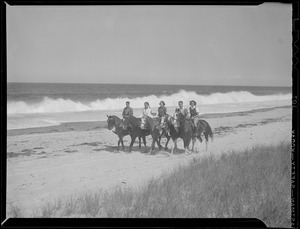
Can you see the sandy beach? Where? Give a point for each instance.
(47, 163)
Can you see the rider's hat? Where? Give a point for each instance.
(193, 101)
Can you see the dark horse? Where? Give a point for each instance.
(114, 121)
(134, 124)
(180, 127)
(157, 132)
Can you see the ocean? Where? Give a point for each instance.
(46, 104)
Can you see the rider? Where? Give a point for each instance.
(162, 112)
(194, 114)
(181, 109)
(146, 112)
(127, 110)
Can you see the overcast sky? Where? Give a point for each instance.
(201, 45)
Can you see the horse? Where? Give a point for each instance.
(156, 131)
(114, 121)
(180, 127)
(202, 128)
(134, 124)
(173, 133)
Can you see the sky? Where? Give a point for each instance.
(185, 45)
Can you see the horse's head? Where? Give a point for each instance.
(168, 119)
(110, 122)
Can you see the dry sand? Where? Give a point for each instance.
(44, 164)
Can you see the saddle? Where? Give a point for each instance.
(144, 124)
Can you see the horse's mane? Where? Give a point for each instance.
(183, 120)
(181, 117)
(187, 125)
(116, 119)
(152, 122)
(134, 121)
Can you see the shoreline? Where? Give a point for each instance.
(94, 125)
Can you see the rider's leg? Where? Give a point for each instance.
(143, 120)
(195, 121)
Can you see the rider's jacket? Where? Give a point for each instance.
(147, 112)
(127, 111)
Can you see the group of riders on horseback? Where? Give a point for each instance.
(185, 124)
(191, 113)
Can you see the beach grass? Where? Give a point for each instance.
(254, 183)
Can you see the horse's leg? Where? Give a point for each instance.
(118, 144)
(187, 146)
(186, 151)
(174, 146)
(152, 146)
(168, 139)
(189, 142)
(158, 138)
(144, 140)
(194, 140)
(140, 143)
(158, 143)
(123, 147)
(132, 141)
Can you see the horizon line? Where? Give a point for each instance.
(227, 85)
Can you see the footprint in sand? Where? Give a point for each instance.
(27, 150)
(43, 152)
(71, 151)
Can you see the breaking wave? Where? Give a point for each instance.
(49, 105)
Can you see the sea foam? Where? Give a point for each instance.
(49, 105)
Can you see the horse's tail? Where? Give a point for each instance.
(207, 131)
